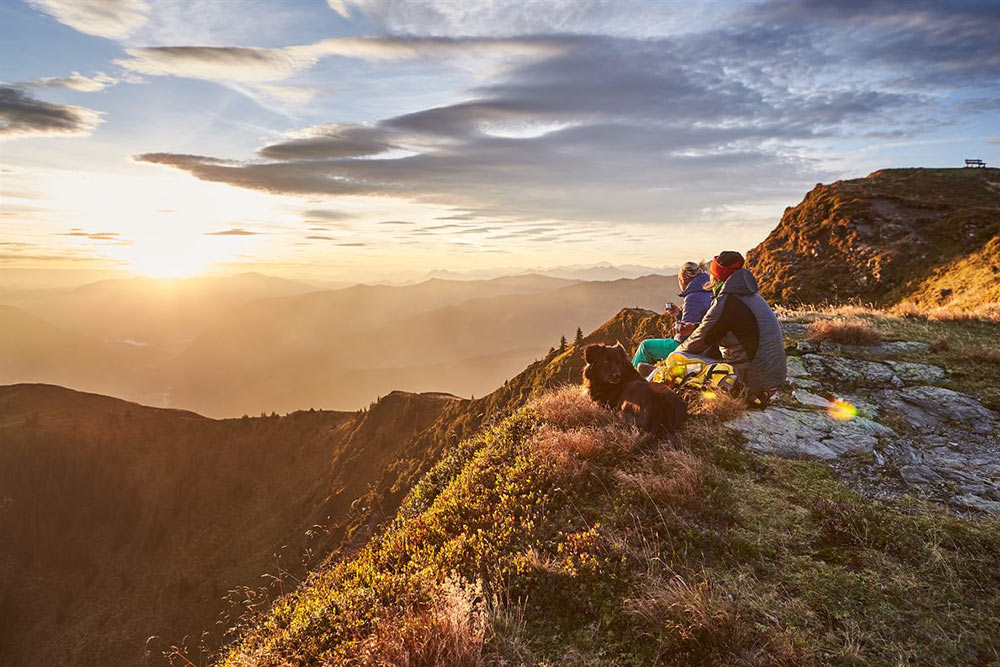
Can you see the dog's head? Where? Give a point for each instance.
(606, 364)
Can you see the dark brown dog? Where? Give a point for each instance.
(611, 380)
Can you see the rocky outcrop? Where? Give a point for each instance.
(856, 240)
(885, 425)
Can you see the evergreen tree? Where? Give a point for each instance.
(579, 336)
(562, 344)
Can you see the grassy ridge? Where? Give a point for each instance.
(548, 539)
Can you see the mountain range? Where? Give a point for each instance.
(498, 523)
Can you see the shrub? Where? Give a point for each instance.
(570, 407)
(847, 332)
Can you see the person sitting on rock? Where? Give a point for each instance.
(743, 325)
(692, 279)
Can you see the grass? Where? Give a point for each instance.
(844, 331)
(550, 539)
(966, 347)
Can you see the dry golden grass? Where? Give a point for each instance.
(908, 309)
(844, 331)
(570, 407)
(451, 632)
(989, 355)
(718, 406)
(670, 476)
(690, 618)
(982, 313)
(569, 451)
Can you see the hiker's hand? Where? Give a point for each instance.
(673, 309)
(687, 328)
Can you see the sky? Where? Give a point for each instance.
(366, 139)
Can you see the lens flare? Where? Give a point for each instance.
(841, 410)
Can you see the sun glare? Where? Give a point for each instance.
(169, 258)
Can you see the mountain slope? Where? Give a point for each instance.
(139, 519)
(123, 522)
(549, 538)
(926, 236)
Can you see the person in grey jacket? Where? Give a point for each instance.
(744, 327)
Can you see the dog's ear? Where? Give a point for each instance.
(591, 352)
(621, 350)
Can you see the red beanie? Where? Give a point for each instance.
(725, 264)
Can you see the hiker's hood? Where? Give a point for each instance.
(697, 284)
(741, 282)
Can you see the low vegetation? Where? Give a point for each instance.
(550, 539)
(848, 332)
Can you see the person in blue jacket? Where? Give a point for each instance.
(692, 279)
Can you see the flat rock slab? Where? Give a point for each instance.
(913, 373)
(854, 372)
(934, 408)
(807, 433)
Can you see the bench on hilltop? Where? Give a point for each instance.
(975, 163)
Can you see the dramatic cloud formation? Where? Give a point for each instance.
(114, 19)
(22, 116)
(598, 127)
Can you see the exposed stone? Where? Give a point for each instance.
(796, 369)
(852, 371)
(890, 349)
(919, 476)
(913, 373)
(974, 502)
(793, 328)
(930, 408)
(810, 399)
(807, 434)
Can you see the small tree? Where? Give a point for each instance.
(562, 344)
(579, 336)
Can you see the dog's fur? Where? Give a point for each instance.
(611, 380)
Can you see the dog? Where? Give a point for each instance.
(611, 380)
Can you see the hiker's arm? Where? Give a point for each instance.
(710, 331)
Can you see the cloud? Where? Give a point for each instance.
(24, 116)
(114, 19)
(75, 81)
(232, 232)
(325, 214)
(255, 64)
(395, 222)
(336, 140)
(227, 63)
(610, 129)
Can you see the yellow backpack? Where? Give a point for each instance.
(690, 371)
